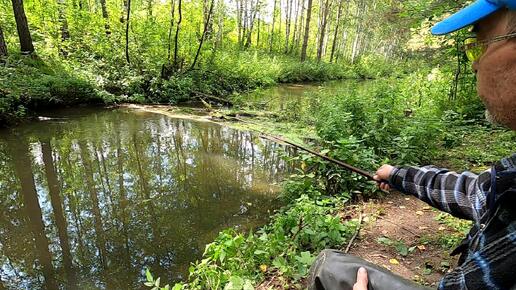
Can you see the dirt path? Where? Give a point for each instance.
(404, 235)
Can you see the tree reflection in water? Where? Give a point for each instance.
(89, 201)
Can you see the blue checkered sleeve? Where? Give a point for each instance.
(461, 194)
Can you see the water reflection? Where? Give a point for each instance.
(86, 202)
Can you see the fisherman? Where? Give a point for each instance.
(488, 253)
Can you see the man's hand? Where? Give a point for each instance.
(362, 280)
(382, 174)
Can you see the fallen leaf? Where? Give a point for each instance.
(441, 228)
(406, 198)
(421, 247)
(419, 212)
(427, 208)
(422, 228)
(394, 261)
(402, 206)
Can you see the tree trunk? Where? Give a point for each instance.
(176, 40)
(127, 31)
(273, 23)
(354, 49)
(288, 16)
(335, 35)
(124, 11)
(294, 31)
(203, 34)
(59, 216)
(300, 25)
(61, 6)
(220, 25)
(258, 32)
(239, 10)
(105, 16)
(3, 45)
(324, 21)
(307, 30)
(172, 12)
(26, 45)
(252, 20)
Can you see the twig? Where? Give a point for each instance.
(355, 234)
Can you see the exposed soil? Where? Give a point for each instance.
(395, 220)
(407, 221)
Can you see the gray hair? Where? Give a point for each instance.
(511, 23)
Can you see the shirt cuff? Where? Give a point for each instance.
(396, 178)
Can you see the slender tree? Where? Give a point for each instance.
(105, 16)
(271, 45)
(206, 25)
(220, 25)
(300, 25)
(251, 22)
(127, 31)
(307, 30)
(61, 6)
(169, 42)
(360, 11)
(336, 32)
(288, 18)
(3, 45)
(294, 31)
(176, 40)
(124, 11)
(325, 11)
(22, 25)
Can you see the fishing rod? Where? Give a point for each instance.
(352, 168)
(273, 138)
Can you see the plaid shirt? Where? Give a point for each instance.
(488, 258)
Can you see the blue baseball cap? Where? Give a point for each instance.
(471, 14)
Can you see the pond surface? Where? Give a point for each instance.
(90, 198)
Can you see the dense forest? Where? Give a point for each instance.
(117, 197)
(65, 52)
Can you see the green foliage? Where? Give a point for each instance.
(398, 245)
(27, 83)
(450, 240)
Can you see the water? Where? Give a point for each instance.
(281, 97)
(90, 198)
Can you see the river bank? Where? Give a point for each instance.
(32, 83)
(362, 123)
(356, 124)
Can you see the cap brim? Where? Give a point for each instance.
(465, 17)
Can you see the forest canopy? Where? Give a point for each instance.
(167, 51)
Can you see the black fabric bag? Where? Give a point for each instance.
(335, 270)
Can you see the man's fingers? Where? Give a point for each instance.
(362, 280)
(384, 186)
